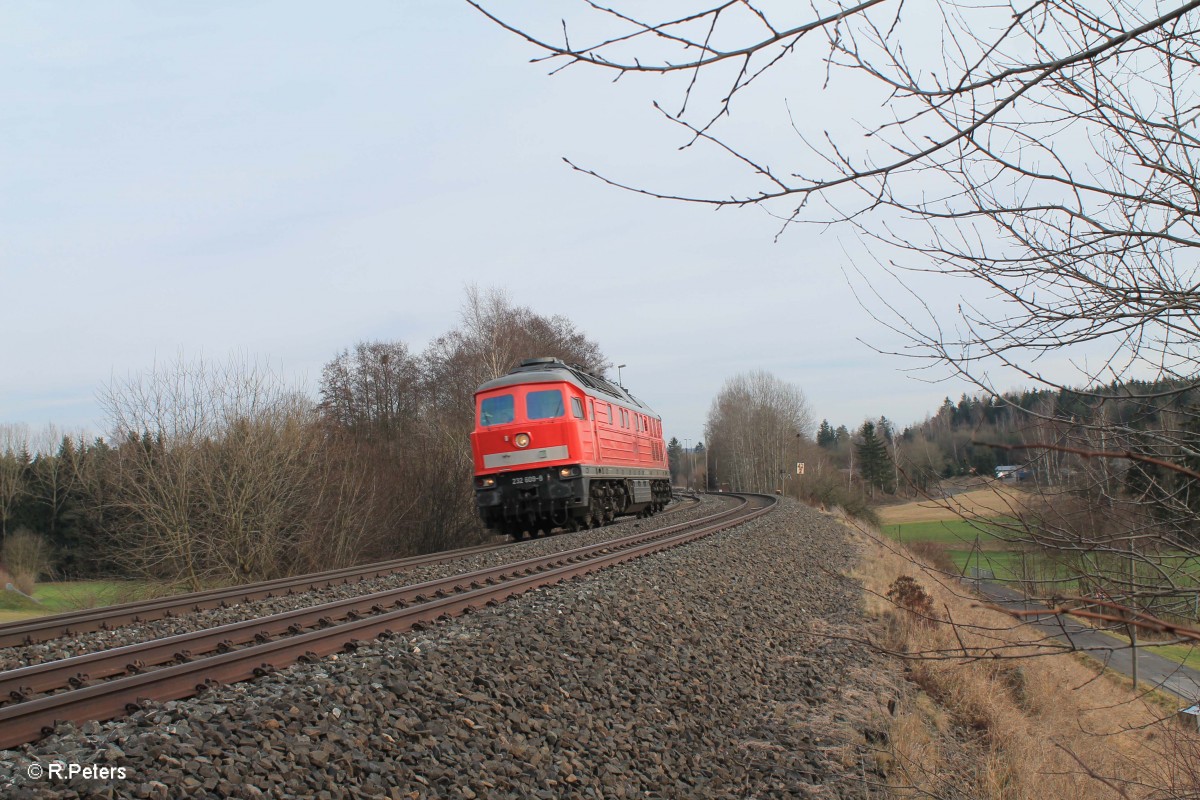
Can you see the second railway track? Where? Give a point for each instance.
(242, 650)
(27, 632)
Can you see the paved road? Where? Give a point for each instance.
(1152, 668)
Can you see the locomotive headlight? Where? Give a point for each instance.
(565, 472)
(521, 440)
(486, 483)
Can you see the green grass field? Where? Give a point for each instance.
(58, 596)
(1050, 576)
(955, 532)
(972, 545)
(1186, 654)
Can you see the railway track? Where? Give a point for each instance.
(189, 664)
(42, 629)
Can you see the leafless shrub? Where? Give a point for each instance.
(27, 557)
(933, 553)
(909, 595)
(219, 475)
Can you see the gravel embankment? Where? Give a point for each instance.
(716, 670)
(15, 657)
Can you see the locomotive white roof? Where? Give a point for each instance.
(552, 370)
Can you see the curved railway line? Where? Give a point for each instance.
(188, 664)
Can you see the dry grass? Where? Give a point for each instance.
(26, 555)
(1012, 729)
(935, 554)
(994, 500)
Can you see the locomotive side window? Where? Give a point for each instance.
(546, 404)
(610, 414)
(496, 410)
(577, 407)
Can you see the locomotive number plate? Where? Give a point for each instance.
(529, 479)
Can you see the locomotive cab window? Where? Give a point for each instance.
(577, 407)
(546, 404)
(496, 410)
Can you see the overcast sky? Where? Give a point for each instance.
(282, 180)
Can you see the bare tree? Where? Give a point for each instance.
(1045, 152)
(752, 430)
(378, 386)
(220, 473)
(493, 336)
(410, 415)
(14, 455)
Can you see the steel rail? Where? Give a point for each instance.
(22, 683)
(27, 721)
(25, 632)
(41, 629)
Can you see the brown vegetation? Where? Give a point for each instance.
(757, 428)
(26, 558)
(992, 500)
(222, 473)
(1016, 727)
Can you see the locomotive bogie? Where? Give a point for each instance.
(541, 500)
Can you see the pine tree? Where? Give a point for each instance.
(826, 436)
(874, 462)
(675, 459)
(841, 435)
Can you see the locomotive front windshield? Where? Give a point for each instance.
(496, 410)
(546, 404)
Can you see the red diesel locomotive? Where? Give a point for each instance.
(556, 446)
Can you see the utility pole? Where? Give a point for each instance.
(799, 458)
(1133, 644)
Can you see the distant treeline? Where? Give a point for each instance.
(981, 432)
